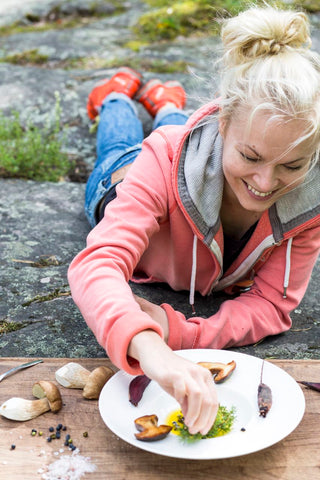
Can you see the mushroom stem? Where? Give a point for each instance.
(21, 409)
(96, 381)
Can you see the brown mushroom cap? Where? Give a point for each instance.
(48, 390)
(221, 370)
(149, 429)
(96, 381)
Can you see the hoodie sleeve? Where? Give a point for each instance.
(99, 275)
(255, 314)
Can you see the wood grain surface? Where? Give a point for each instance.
(294, 458)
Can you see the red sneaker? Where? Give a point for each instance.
(126, 81)
(155, 95)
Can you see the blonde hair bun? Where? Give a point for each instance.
(251, 35)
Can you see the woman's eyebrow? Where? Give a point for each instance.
(294, 161)
(252, 149)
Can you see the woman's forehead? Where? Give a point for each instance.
(264, 126)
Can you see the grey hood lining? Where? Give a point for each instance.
(300, 204)
(200, 177)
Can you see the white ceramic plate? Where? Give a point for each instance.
(240, 391)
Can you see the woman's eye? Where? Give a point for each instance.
(250, 159)
(293, 168)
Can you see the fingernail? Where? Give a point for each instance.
(192, 430)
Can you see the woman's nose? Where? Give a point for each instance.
(265, 178)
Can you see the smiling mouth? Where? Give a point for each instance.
(257, 193)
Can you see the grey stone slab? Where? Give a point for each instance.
(38, 220)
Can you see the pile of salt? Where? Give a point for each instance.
(69, 467)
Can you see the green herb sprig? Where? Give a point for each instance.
(222, 425)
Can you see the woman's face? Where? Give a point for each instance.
(257, 165)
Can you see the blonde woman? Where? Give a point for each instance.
(226, 199)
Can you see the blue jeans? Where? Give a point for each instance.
(119, 139)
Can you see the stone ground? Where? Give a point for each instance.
(46, 220)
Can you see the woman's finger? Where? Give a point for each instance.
(194, 406)
(209, 408)
(202, 404)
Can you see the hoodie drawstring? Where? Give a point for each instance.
(287, 269)
(193, 273)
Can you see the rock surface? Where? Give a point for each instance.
(42, 225)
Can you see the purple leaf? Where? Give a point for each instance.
(312, 385)
(137, 387)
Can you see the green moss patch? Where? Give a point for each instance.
(58, 19)
(179, 18)
(57, 293)
(44, 261)
(30, 152)
(311, 6)
(157, 65)
(6, 327)
(168, 20)
(28, 57)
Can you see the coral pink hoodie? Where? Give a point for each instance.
(164, 226)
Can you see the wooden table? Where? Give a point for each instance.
(294, 458)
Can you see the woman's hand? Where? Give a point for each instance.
(190, 384)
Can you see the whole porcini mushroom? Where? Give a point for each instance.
(73, 375)
(50, 392)
(20, 409)
(221, 370)
(149, 429)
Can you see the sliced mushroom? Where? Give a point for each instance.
(73, 375)
(149, 429)
(48, 390)
(221, 370)
(21, 409)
